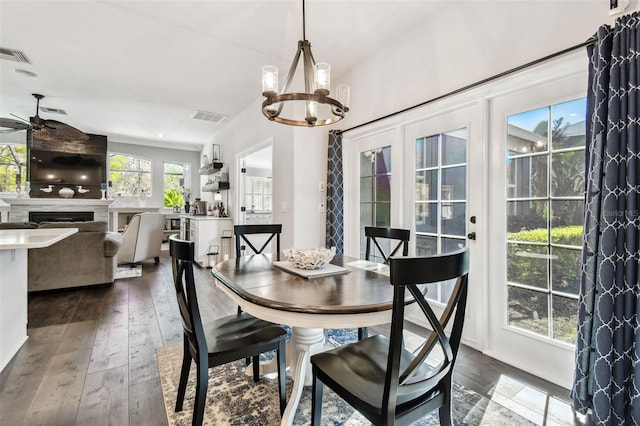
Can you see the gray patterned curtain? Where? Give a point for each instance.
(335, 193)
(607, 375)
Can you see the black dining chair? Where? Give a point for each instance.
(378, 376)
(375, 236)
(243, 232)
(224, 340)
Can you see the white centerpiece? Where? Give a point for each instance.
(311, 258)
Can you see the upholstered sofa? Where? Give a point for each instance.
(85, 258)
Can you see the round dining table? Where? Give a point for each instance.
(347, 293)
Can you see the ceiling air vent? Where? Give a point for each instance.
(13, 55)
(53, 110)
(214, 117)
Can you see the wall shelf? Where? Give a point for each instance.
(215, 186)
(210, 168)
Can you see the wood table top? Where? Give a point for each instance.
(256, 280)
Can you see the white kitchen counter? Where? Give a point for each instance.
(14, 244)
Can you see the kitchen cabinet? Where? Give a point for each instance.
(206, 231)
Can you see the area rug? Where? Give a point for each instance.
(128, 271)
(234, 399)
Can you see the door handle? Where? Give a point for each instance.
(471, 235)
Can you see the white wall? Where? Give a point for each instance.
(451, 51)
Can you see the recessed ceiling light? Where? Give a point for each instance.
(160, 135)
(25, 72)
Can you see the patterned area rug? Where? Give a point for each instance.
(234, 399)
(128, 271)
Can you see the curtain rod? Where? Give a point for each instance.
(585, 43)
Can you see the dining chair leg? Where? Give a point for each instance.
(256, 368)
(316, 401)
(184, 377)
(445, 413)
(363, 333)
(202, 382)
(282, 375)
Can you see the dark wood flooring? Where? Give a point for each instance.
(90, 356)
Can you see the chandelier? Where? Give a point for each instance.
(319, 108)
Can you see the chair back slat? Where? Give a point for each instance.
(182, 255)
(242, 231)
(415, 274)
(373, 233)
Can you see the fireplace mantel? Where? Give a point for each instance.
(20, 207)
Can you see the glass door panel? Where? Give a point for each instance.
(440, 197)
(375, 194)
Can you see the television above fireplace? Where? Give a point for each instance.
(54, 167)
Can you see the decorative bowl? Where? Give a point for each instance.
(312, 258)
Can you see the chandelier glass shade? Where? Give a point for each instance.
(318, 108)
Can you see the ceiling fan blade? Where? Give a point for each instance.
(57, 131)
(14, 124)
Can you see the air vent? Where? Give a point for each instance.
(214, 117)
(53, 110)
(13, 55)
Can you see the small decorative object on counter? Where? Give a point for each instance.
(82, 190)
(143, 198)
(103, 189)
(66, 192)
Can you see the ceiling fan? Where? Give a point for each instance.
(50, 130)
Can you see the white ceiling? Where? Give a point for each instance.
(134, 70)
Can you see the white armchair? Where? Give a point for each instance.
(142, 238)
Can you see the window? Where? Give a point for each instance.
(441, 198)
(176, 178)
(258, 197)
(13, 167)
(129, 174)
(545, 187)
(375, 195)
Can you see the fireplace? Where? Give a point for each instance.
(22, 209)
(60, 216)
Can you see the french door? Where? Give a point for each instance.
(420, 176)
(537, 182)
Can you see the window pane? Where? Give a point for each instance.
(454, 183)
(527, 177)
(427, 152)
(426, 246)
(528, 309)
(383, 188)
(565, 314)
(528, 264)
(569, 124)
(454, 147)
(383, 161)
(145, 165)
(366, 163)
(383, 214)
(427, 185)
(567, 214)
(566, 269)
(366, 189)
(452, 244)
(145, 183)
(527, 132)
(567, 178)
(453, 218)
(527, 215)
(366, 214)
(426, 217)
